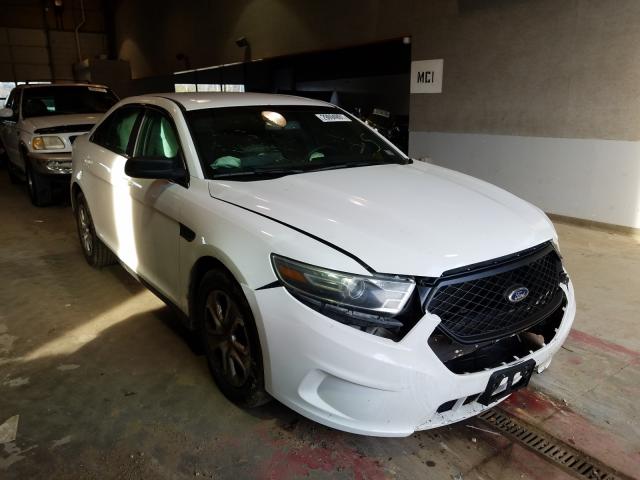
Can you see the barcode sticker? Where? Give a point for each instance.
(332, 117)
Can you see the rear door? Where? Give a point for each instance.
(105, 184)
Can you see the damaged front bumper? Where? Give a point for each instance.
(360, 383)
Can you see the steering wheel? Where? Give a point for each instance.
(369, 142)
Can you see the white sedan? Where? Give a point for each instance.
(319, 264)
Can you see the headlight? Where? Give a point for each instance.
(377, 294)
(47, 143)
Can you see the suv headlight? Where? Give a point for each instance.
(378, 294)
(47, 143)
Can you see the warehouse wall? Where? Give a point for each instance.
(24, 55)
(28, 53)
(540, 97)
(151, 33)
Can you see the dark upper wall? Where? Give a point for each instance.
(150, 34)
(29, 14)
(517, 67)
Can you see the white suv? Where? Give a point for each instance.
(38, 126)
(369, 292)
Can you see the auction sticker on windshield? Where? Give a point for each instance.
(332, 117)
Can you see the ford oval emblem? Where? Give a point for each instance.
(517, 294)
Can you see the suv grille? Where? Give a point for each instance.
(474, 306)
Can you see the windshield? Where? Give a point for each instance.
(250, 143)
(43, 101)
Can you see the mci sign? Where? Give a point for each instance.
(426, 76)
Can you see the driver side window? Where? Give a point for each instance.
(158, 137)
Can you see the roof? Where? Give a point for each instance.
(47, 85)
(202, 100)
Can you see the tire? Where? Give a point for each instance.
(39, 188)
(230, 337)
(11, 170)
(4, 157)
(95, 251)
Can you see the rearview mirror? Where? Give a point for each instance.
(6, 113)
(155, 168)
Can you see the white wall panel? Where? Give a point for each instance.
(584, 178)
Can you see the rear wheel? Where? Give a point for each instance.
(95, 251)
(39, 188)
(231, 340)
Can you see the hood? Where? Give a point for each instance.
(415, 219)
(63, 120)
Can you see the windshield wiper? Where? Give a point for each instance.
(259, 172)
(355, 164)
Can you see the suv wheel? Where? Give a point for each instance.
(13, 176)
(95, 251)
(39, 188)
(230, 340)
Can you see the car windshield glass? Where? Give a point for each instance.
(43, 101)
(249, 143)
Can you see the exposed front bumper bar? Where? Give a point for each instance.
(51, 163)
(354, 381)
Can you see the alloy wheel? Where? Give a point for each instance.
(226, 338)
(85, 229)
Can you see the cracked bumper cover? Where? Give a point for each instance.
(365, 384)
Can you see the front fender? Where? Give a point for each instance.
(243, 242)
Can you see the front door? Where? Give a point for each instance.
(156, 205)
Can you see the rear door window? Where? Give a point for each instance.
(115, 131)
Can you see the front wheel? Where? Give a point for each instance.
(231, 341)
(95, 251)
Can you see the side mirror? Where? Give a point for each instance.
(155, 168)
(6, 113)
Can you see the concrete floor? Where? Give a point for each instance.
(106, 385)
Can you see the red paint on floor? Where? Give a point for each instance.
(560, 421)
(604, 345)
(533, 406)
(615, 451)
(290, 462)
(296, 456)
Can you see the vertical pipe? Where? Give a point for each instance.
(47, 33)
(82, 22)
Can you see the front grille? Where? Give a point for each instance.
(474, 306)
